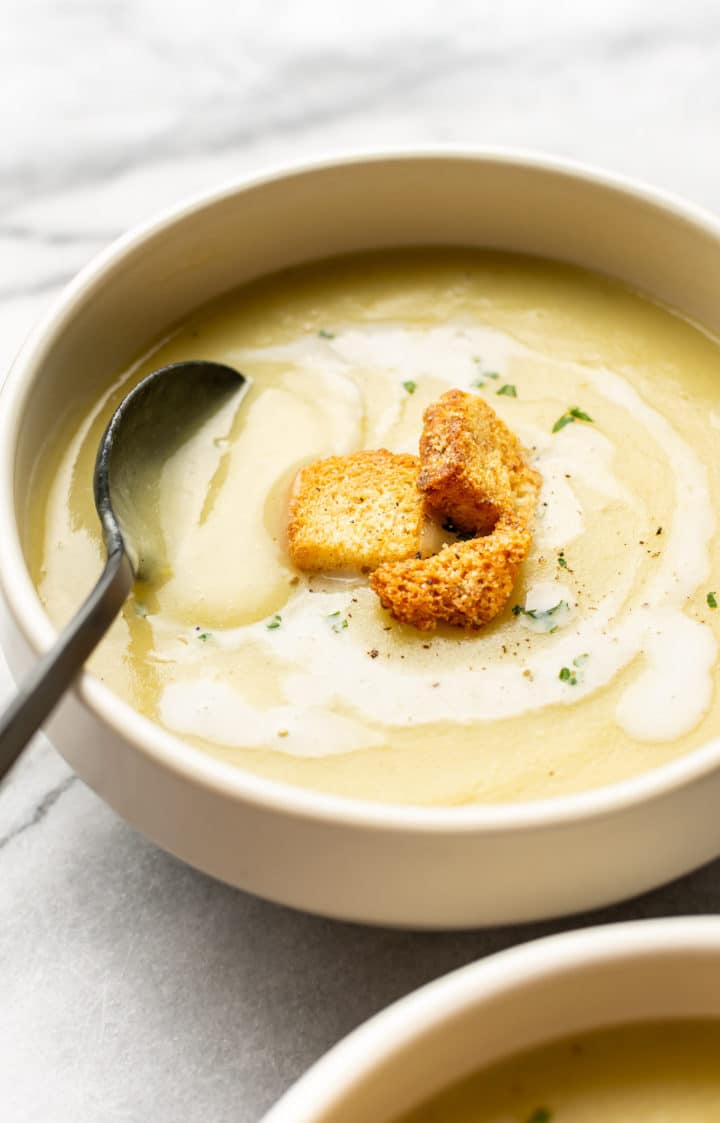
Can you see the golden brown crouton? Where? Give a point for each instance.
(473, 467)
(467, 583)
(355, 511)
(475, 473)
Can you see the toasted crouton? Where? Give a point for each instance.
(467, 583)
(473, 467)
(355, 511)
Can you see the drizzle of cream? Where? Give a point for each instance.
(580, 453)
(216, 712)
(458, 354)
(678, 655)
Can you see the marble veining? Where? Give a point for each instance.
(133, 987)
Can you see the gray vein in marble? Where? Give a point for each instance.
(214, 126)
(40, 811)
(243, 101)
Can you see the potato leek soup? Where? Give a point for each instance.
(654, 1073)
(602, 663)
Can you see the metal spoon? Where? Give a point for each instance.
(151, 423)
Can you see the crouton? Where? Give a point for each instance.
(467, 583)
(355, 511)
(473, 468)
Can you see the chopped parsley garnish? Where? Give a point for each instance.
(325, 334)
(204, 637)
(491, 374)
(562, 560)
(410, 386)
(566, 675)
(543, 616)
(507, 391)
(274, 623)
(336, 622)
(712, 600)
(463, 535)
(581, 660)
(570, 415)
(540, 1115)
(477, 383)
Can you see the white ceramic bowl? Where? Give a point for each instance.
(487, 1012)
(411, 866)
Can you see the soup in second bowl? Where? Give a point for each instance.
(652, 1073)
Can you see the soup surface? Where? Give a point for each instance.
(656, 1073)
(608, 665)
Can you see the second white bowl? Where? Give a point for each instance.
(519, 999)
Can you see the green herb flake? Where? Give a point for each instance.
(562, 561)
(491, 374)
(274, 623)
(325, 334)
(571, 415)
(539, 613)
(337, 623)
(712, 600)
(203, 636)
(507, 391)
(581, 660)
(561, 422)
(477, 383)
(540, 1115)
(410, 386)
(566, 675)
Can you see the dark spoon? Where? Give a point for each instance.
(151, 423)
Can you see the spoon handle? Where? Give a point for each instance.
(45, 684)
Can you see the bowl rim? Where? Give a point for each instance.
(170, 751)
(397, 1027)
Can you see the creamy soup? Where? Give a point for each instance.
(604, 663)
(661, 1073)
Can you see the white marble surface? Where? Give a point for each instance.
(131, 987)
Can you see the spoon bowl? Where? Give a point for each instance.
(151, 423)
